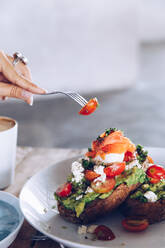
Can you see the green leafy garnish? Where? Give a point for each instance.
(110, 130)
(139, 195)
(142, 155)
(87, 164)
(107, 132)
(99, 138)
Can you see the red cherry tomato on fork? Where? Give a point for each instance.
(115, 169)
(64, 190)
(156, 172)
(90, 107)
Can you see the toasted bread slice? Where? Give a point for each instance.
(152, 211)
(98, 207)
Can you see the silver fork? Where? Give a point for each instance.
(75, 96)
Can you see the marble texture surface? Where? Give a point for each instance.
(30, 160)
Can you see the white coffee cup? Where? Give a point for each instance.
(8, 142)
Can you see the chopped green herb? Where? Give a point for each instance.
(107, 132)
(69, 178)
(139, 195)
(110, 130)
(87, 164)
(54, 207)
(89, 149)
(99, 138)
(142, 155)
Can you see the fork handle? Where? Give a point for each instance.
(51, 93)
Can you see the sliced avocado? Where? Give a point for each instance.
(79, 208)
(132, 176)
(105, 195)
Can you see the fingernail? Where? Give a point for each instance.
(31, 101)
(28, 97)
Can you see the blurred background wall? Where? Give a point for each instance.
(73, 44)
(112, 49)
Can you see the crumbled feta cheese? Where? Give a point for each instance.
(91, 229)
(77, 171)
(110, 158)
(82, 229)
(151, 196)
(79, 197)
(99, 169)
(89, 190)
(133, 164)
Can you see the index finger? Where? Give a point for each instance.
(14, 77)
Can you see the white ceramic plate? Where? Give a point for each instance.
(37, 199)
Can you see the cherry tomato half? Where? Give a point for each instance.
(153, 180)
(156, 172)
(103, 187)
(104, 233)
(64, 190)
(129, 156)
(90, 107)
(115, 169)
(134, 225)
(91, 154)
(91, 175)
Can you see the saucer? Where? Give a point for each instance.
(11, 219)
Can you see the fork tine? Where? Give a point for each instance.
(76, 99)
(83, 99)
(79, 97)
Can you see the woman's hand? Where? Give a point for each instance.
(15, 81)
